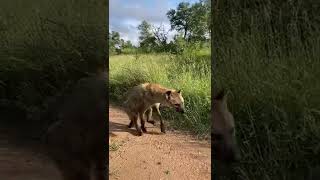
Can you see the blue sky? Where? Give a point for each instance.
(126, 15)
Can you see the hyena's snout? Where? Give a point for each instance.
(179, 108)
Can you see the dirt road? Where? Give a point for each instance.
(154, 155)
(22, 160)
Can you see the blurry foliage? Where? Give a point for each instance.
(45, 47)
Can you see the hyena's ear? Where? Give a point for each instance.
(179, 91)
(168, 93)
(221, 96)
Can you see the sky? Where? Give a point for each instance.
(126, 15)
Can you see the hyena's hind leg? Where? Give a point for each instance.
(134, 121)
(131, 117)
(142, 121)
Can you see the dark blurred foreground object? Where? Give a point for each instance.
(77, 140)
(314, 173)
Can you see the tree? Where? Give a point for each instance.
(122, 43)
(129, 44)
(207, 5)
(161, 36)
(109, 41)
(191, 20)
(180, 19)
(149, 44)
(115, 38)
(147, 40)
(199, 28)
(145, 30)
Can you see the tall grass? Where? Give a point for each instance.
(267, 56)
(45, 47)
(190, 73)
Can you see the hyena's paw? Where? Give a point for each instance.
(130, 124)
(144, 129)
(163, 130)
(139, 133)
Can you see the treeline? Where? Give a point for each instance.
(191, 22)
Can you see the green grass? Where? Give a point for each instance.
(189, 72)
(46, 47)
(267, 55)
(114, 146)
(276, 105)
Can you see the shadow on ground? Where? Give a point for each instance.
(118, 127)
(119, 122)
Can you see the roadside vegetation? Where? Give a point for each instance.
(44, 50)
(267, 56)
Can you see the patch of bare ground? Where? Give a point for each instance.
(23, 159)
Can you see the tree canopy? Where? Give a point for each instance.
(191, 20)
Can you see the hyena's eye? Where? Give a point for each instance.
(177, 105)
(217, 137)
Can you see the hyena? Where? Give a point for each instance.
(76, 141)
(223, 131)
(142, 97)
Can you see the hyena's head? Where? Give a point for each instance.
(174, 99)
(223, 131)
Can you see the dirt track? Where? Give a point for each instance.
(154, 155)
(21, 160)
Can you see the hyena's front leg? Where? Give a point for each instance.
(143, 127)
(163, 129)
